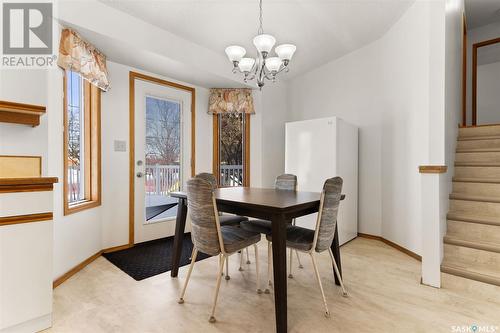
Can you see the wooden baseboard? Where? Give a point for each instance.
(87, 261)
(75, 269)
(116, 248)
(392, 244)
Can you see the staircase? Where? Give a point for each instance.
(472, 241)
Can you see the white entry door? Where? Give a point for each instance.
(162, 156)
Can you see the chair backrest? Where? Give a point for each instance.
(286, 182)
(328, 211)
(209, 177)
(202, 212)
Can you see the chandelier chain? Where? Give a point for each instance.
(261, 29)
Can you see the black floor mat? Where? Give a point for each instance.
(151, 258)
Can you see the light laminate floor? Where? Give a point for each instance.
(384, 286)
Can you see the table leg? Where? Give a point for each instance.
(180, 224)
(336, 254)
(279, 265)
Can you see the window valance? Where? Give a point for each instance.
(230, 101)
(80, 56)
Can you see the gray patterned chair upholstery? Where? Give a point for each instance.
(286, 182)
(224, 219)
(302, 238)
(320, 239)
(209, 236)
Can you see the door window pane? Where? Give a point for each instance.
(163, 157)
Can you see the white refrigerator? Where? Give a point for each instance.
(319, 149)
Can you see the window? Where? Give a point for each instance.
(232, 149)
(82, 156)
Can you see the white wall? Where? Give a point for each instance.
(474, 36)
(488, 96)
(24, 86)
(274, 114)
(385, 89)
(453, 90)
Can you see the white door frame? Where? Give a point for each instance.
(133, 76)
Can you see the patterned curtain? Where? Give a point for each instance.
(230, 101)
(80, 56)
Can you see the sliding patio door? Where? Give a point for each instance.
(162, 156)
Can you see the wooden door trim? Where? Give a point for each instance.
(474, 74)
(133, 76)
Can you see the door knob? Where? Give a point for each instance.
(139, 175)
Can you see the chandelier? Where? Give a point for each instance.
(263, 67)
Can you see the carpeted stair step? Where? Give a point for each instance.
(480, 131)
(464, 217)
(481, 189)
(477, 198)
(473, 244)
(486, 156)
(471, 274)
(473, 232)
(479, 142)
(475, 207)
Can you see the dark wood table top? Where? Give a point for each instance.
(262, 197)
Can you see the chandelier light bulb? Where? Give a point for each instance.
(264, 43)
(273, 64)
(285, 51)
(246, 64)
(235, 53)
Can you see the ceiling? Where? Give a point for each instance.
(119, 51)
(323, 30)
(482, 12)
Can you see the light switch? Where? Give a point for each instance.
(120, 145)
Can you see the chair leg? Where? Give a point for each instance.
(269, 258)
(290, 275)
(336, 268)
(327, 313)
(241, 261)
(217, 287)
(257, 272)
(193, 260)
(298, 259)
(248, 258)
(297, 252)
(227, 268)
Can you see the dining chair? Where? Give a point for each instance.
(225, 219)
(212, 238)
(319, 240)
(286, 182)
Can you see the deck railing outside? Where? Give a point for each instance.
(231, 175)
(162, 179)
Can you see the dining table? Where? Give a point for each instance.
(278, 206)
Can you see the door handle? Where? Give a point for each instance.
(139, 175)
